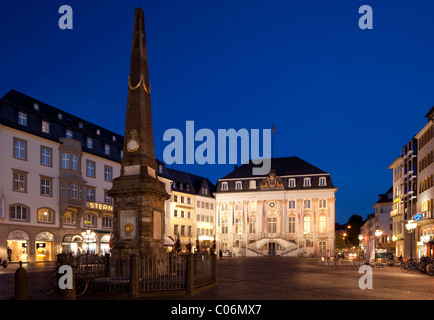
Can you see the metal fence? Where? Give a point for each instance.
(172, 273)
(163, 275)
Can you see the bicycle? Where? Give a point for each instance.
(409, 266)
(52, 283)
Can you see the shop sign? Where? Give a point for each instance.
(99, 206)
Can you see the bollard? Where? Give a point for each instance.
(134, 275)
(214, 268)
(21, 284)
(190, 275)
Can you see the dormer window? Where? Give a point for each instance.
(69, 134)
(36, 106)
(252, 184)
(291, 183)
(322, 181)
(238, 185)
(224, 186)
(45, 127)
(22, 118)
(306, 182)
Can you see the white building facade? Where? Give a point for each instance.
(289, 212)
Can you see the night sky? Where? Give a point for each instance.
(344, 99)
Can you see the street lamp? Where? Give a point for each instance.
(378, 234)
(411, 226)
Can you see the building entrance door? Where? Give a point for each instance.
(272, 248)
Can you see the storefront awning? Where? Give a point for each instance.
(168, 241)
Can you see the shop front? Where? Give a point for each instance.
(44, 242)
(426, 238)
(18, 246)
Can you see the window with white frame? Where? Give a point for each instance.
(19, 181)
(238, 185)
(45, 215)
(89, 220)
(22, 118)
(89, 143)
(291, 224)
(224, 186)
(18, 212)
(69, 134)
(74, 162)
(107, 149)
(252, 184)
(108, 173)
(291, 204)
(90, 168)
(69, 218)
(322, 203)
(322, 181)
(306, 182)
(291, 183)
(46, 154)
(65, 160)
(20, 147)
(107, 222)
(46, 184)
(307, 204)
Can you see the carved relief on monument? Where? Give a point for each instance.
(127, 224)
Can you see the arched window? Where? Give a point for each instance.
(322, 223)
(291, 224)
(45, 215)
(89, 220)
(18, 212)
(107, 222)
(252, 224)
(69, 217)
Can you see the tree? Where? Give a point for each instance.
(354, 224)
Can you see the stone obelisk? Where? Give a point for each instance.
(138, 194)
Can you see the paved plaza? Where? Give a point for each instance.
(273, 278)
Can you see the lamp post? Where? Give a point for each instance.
(360, 243)
(378, 234)
(411, 226)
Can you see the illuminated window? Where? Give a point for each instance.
(252, 225)
(45, 127)
(69, 217)
(20, 181)
(306, 224)
(45, 215)
(89, 220)
(272, 225)
(322, 223)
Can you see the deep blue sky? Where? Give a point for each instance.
(344, 99)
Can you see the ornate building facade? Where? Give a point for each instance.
(289, 212)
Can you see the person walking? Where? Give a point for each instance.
(9, 254)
